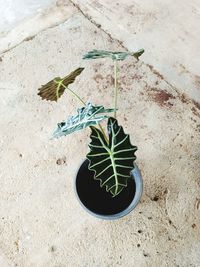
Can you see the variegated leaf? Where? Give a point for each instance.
(112, 162)
(113, 55)
(55, 88)
(87, 116)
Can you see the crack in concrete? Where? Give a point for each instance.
(88, 17)
(50, 17)
(29, 38)
(152, 68)
(183, 97)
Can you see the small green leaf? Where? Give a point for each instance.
(113, 55)
(87, 116)
(138, 53)
(55, 88)
(112, 162)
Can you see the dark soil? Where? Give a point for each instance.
(96, 199)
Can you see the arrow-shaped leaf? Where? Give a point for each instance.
(112, 162)
(56, 87)
(87, 116)
(111, 54)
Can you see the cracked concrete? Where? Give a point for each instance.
(26, 30)
(41, 222)
(166, 29)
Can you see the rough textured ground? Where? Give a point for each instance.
(167, 29)
(41, 221)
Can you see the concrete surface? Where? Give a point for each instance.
(167, 29)
(14, 12)
(41, 222)
(25, 27)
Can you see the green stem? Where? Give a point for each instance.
(104, 134)
(81, 100)
(115, 87)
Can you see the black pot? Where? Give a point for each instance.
(100, 203)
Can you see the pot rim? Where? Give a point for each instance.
(136, 175)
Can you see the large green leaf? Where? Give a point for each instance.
(54, 89)
(87, 116)
(112, 162)
(111, 54)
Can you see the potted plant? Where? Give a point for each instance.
(108, 183)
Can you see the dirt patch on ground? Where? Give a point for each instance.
(98, 78)
(161, 97)
(158, 74)
(197, 105)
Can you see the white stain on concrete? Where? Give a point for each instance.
(14, 12)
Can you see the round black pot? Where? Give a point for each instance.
(100, 203)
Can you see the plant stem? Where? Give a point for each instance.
(104, 134)
(72, 92)
(81, 100)
(115, 87)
